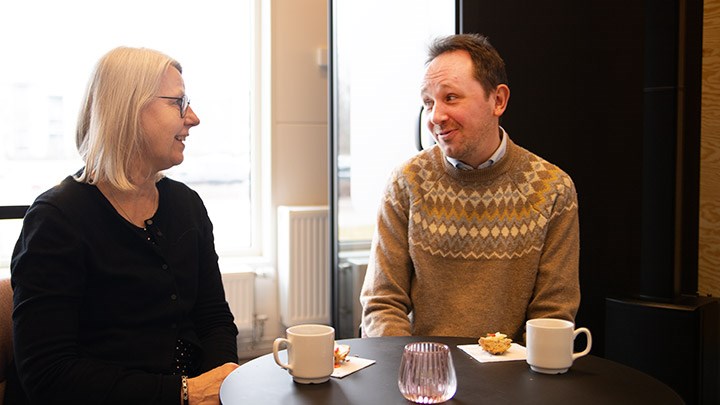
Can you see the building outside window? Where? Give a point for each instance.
(49, 49)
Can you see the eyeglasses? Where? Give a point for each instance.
(182, 102)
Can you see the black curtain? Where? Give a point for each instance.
(609, 90)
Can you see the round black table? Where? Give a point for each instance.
(591, 380)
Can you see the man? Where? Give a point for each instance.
(476, 234)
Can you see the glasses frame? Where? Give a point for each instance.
(184, 103)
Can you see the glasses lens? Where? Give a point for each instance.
(184, 107)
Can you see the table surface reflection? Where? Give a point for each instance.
(591, 380)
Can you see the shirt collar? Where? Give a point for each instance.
(499, 153)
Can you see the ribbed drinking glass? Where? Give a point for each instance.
(427, 374)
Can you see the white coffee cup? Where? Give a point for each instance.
(550, 344)
(309, 351)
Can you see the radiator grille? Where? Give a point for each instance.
(303, 264)
(240, 295)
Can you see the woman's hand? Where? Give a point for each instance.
(205, 388)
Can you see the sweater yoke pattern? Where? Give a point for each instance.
(502, 214)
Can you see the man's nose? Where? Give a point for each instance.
(438, 115)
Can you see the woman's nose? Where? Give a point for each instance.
(191, 119)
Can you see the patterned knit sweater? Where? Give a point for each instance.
(464, 253)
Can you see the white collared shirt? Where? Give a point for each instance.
(499, 153)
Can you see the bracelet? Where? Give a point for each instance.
(185, 396)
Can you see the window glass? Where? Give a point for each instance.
(364, 121)
(49, 49)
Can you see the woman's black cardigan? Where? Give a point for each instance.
(100, 303)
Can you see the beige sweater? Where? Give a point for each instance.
(464, 253)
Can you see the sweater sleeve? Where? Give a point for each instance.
(49, 279)
(385, 295)
(212, 317)
(557, 288)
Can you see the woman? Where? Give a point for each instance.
(117, 292)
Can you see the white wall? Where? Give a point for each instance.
(300, 103)
(298, 126)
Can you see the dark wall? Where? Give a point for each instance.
(578, 98)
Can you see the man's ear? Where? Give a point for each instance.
(502, 95)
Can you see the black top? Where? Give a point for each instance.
(591, 380)
(101, 303)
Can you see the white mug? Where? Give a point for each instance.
(310, 352)
(550, 344)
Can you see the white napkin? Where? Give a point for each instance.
(515, 352)
(351, 365)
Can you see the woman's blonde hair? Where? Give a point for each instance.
(109, 135)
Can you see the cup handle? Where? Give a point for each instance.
(276, 348)
(586, 331)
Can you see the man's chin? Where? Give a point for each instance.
(448, 151)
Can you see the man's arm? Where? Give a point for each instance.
(385, 295)
(557, 287)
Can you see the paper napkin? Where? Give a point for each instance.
(351, 365)
(515, 352)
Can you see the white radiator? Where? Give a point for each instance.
(358, 268)
(304, 264)
(240, 295)
(352, 266)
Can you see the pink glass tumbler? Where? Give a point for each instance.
(427, 374)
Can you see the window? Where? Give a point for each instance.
(363, 168)
(49, 49)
